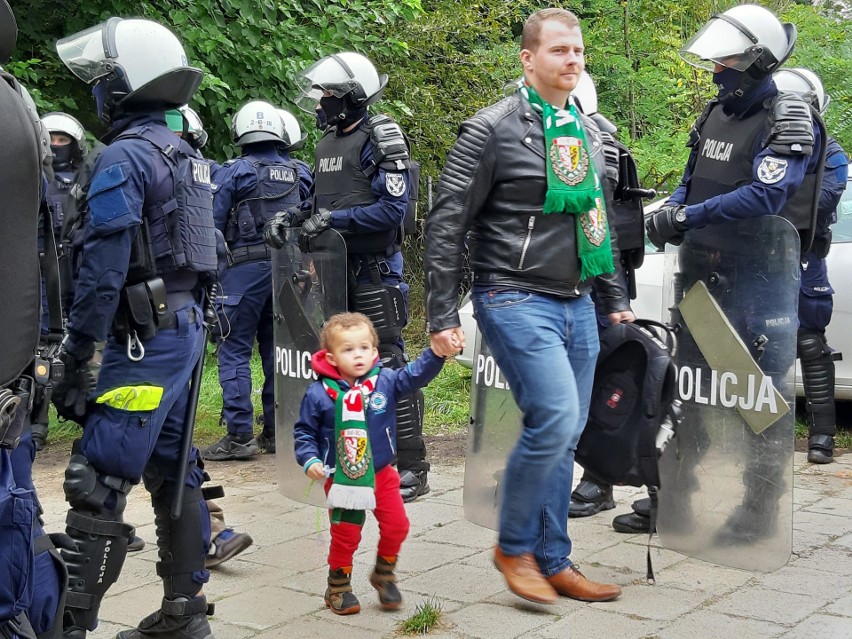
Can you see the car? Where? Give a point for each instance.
(649, 296)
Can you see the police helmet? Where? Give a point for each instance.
(585, 95)
(347, 75)
(745, 38)
(257, 121)
(293, 137)
(803, 82)
(137, 62)
(57, 122)
(8, 32)
(194, 127)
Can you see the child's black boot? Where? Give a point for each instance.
(383, 580)
(339, 596)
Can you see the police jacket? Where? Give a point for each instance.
(250, 189)
(367, 202)
(314, 430)
(493, 185)
(129, 179)
(737, 170)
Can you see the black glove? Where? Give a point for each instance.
(273, 230)
(312, 227)
(70, 393)
(663, 226)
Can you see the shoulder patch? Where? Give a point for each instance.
(771, 170)
(395, 183)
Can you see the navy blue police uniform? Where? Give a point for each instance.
(141, 234)
(248, 192)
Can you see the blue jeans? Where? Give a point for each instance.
(546, 348)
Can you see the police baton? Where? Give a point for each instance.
(208, 300)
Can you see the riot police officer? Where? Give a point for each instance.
(139, 286)
(250, 190)
(815, 293)
(363, 190)
(754, 152)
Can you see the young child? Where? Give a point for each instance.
(346, 432)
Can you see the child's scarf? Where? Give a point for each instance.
(354, 481)
(573, 185)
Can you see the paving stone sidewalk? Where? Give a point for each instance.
(275, 588)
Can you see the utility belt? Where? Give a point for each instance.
(144, 309)
(252, 253)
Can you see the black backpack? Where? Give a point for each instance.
(633, 397)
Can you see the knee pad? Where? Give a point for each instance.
(182, 543)
(86, 489)
(811, 345)
(384, 305)
(391, 356)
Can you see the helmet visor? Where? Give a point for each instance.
(85, 53)
(720, 42)
(325, 75)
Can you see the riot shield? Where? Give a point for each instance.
(495, 424)
(307, 289)
(20, 181)
(727, 478)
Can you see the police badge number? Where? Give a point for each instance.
(772, 170)
(395, 184)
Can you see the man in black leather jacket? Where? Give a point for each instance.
(516, 178)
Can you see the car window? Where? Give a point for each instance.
(842, 231)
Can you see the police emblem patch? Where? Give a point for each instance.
(594, 224)
(569, 160)
(395, 184)
(771, 170)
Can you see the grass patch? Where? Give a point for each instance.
(426, 617)
(447, 400)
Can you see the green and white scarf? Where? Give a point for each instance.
(354, 481)
(573, 185)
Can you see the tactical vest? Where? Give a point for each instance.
(276, 189)
(58, 192)
(177, 233)
(341, 183)
(725, 158)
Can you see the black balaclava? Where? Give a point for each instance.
(63, 156)
(740, 91)
(340, 112)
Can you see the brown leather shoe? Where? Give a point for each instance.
(524, 578)
(571, 583)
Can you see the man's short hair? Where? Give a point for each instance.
(345, 322)
(531, 37)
